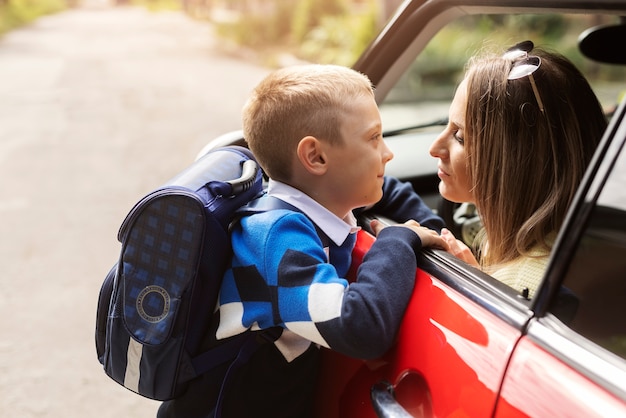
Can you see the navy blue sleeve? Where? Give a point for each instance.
(401, 203)
(374, 305)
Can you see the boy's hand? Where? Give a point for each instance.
(458, 248)
(429, 237)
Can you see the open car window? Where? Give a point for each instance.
(422, 95)
(424, 92)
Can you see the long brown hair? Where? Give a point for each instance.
(526, 164)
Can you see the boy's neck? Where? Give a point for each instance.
(319, 192)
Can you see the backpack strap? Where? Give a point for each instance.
(263, 203)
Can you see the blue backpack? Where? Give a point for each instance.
(156, 304)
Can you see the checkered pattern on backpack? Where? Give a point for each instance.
(159, 263)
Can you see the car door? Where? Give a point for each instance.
(470, 346)
(453, 348)
(454, 345)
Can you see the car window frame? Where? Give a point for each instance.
(479, 287)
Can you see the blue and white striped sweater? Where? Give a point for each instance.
(281, 276)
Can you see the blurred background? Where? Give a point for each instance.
(319, 30)
(100, 103)
(274, 33)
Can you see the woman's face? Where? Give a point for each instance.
(449, 147)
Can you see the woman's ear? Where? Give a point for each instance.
(311, 155)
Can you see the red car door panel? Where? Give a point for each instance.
(449, 360)
(460, 349)
(539, 384)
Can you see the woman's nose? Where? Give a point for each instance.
(437, 148)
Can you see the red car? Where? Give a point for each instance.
(470, 346)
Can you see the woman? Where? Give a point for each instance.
(522, 129)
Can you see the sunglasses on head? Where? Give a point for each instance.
(524, 65)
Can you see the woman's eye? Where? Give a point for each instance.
(458, 137)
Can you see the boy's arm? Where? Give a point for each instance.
(401, 203)
(374, 305)
(282, 278)
(360, 320)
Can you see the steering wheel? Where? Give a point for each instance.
(461, 219)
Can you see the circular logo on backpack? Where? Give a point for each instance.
(153, 303)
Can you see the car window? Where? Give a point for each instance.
(424, 92)
(595, 282)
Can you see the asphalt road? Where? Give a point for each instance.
(98, 106)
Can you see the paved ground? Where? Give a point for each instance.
(98, 106)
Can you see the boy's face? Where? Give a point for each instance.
(358, 164)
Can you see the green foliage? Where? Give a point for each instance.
(15, 13)
(440, 66)
(158, 5)
(260, 30)
(328, 31)
(251, 31)
(340, 39)
(309, 14)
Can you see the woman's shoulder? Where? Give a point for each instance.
(524, 273)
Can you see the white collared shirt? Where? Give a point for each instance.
(335, 228)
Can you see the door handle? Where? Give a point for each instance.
(384, 402)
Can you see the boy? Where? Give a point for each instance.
(316, 131)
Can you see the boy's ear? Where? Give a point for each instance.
(311, 155)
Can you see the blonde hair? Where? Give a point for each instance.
(295, 102)
(525, 164)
